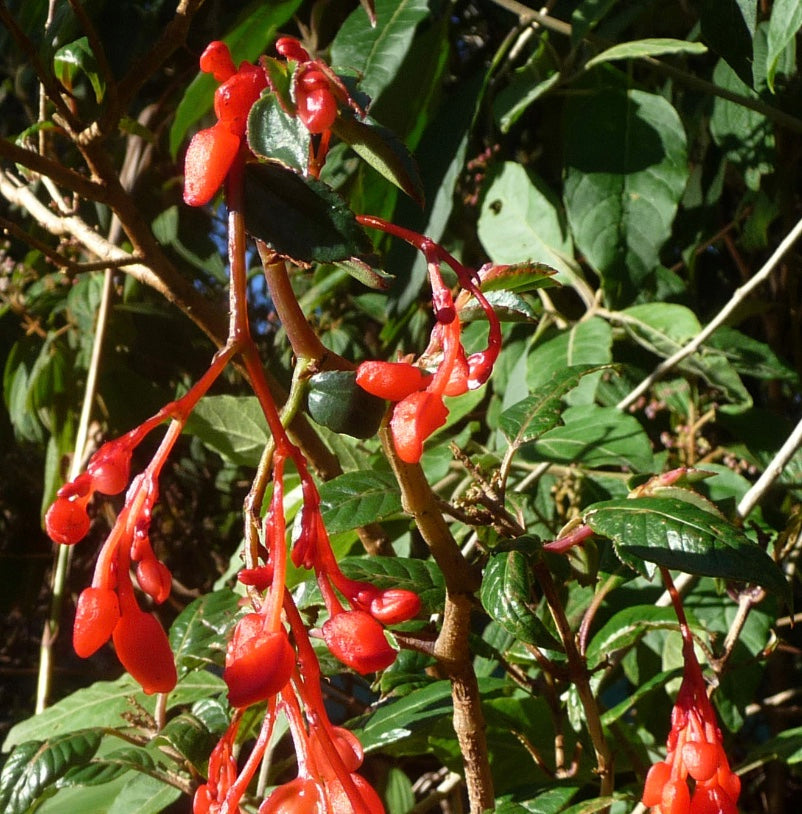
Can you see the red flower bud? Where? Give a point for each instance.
(395, 605)
(154, 578)
(143, 649)
(710, 800)
(340, 801)
(96, 616)
(358, 641)
(66, 521)
(110, 468)
(700, 759)
(258, 663)
(676, 798)
(317, 109)
(659, 774)
(414, 419)
(290, 48)
(235, 97)
(209, 158)
(216, 60)
(299, 796)
(391, 380)
(348, 747)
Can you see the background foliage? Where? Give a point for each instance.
(646, 151)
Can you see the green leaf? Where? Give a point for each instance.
(530, 418)
(675, 534)
(33, 768)
(750, 357)
(144, 795)
(625, 628)
(506, 595)
(422, 577)
(335, 401)
(655, 47)
(301, 219)
(664, 328)
(785, 747)
(654, 683)
(521, 220)
(274, 134)
(625, 172)
(107, 767)
(104, 704)
(249, 38)
(74, 57)
(358, 498)
(594, 436)
(518, 277)
(377, 52)
(785, 22)
(509, 307)
(187, 736)
(586, 16)
(232, 426)
(745, 136)
(384, 151)
(199, 634)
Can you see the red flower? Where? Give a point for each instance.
(212, 152)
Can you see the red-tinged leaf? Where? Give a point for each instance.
(275, 135)
(384, 151)
(518, 277)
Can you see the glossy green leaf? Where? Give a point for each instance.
(654, 47)
(625, 628)
(625, 172)
(519, 277)
(249, 38)
(508, 306)
(521, 220)
(530, 418)
(300, 218)
(358, 498)
(232, 426)
(422, 577)
(274, 134)
(595, 436)
(550, 801)
(187, 736)
(78, 56)
(784, 23)
(675, 534)
(31, 770)
(507, 595)
(199, 634)
(384, 151)
(104, 768)
(335, 401)
(377, 52)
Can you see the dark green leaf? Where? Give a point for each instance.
(530, 418)
(274, 134)
(105, 768)
(750, 357)
(199, 634)
(377, 52)
(233, 426)
(358, 498)
(186, 735)
(509, 307)
(626, 169)
(506, 595)
(728, 27)
(654, 683)
(384, 151)
(301, 219)
(675, 534)
(32, 769)
(519, 277)
(334, 400)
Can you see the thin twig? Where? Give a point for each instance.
(737, 298)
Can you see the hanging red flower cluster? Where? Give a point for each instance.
(695, 777)
(420, 409)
